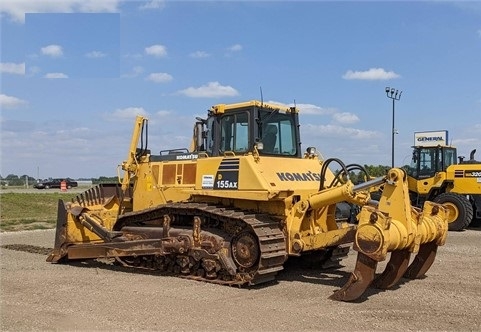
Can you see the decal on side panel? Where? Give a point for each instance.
(207, 181)
(227, 176)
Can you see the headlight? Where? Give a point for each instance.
(311, 151)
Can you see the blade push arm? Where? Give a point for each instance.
(129, 166)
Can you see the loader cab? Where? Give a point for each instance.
(427, 161)
(239, 129)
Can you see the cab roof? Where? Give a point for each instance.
(221, 108)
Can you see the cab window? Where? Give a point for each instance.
(424, 163)
(210, 135)
(449, 157)
(278, 136)
(235, 133)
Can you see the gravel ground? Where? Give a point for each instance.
(36, 295)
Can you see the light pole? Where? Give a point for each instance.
(394, 95)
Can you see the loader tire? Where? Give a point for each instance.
(460, 210)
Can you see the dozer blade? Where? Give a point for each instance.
(60, 234)
(423, 260)
(359, 281)
(395, 269)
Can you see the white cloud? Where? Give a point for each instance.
(17, 9)
(199, 54)
(279, 104)
(53, 50)
(159, 77)
(95, 54)
(311, 109)
(464, 141)
(33, 70)
(133, 56)
(55, 75)
(235, 48)
(136, 71)
(345, 117)
(211, 90)
(332, 131)
(158, 50)
(11, 102)
(12, 68)
(163, 113)
(129, 112)
(307, 108)
(314, 109)
(95, 6)
(153, 4)
(371, 74)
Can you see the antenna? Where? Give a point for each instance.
(262, 98)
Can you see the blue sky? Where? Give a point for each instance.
(75, 73)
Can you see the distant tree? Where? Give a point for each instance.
(358, 176)
(376, 171)
(105, 179)
(15, 180)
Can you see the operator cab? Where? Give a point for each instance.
(427, 161)
(239, 129)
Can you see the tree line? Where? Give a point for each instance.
(371, 172)
(23, 180)
(26, 180)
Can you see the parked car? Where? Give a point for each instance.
(55, 183)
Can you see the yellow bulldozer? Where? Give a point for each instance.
(242, 199)
(437, 174)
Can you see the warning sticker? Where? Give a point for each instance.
(207, 181)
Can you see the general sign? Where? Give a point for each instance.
(431, 138)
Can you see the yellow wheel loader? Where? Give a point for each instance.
(231, 209)
(437, 174)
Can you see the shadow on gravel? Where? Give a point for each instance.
(298, 270)
(295, 270)
(475, 225)
(28, 248)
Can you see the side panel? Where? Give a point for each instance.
(466, 178)
(244, 180)
(424, 186)
(159, 182)
(270, 174)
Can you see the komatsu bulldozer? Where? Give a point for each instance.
(437, 174)
(242, 199)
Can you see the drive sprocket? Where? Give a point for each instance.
(245, 249)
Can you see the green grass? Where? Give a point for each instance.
(20, 211)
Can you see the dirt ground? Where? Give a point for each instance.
(36, 295)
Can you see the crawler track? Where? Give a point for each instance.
(232, 247)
